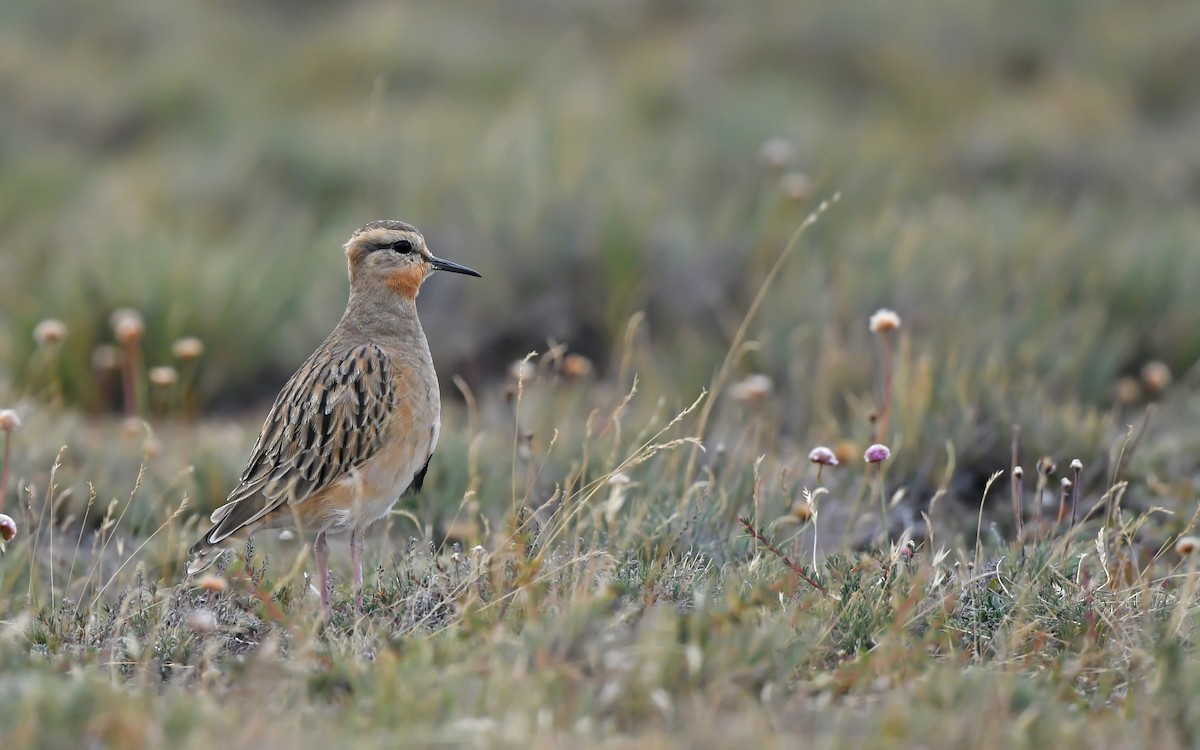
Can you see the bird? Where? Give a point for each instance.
(355, 427)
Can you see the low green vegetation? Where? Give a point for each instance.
(690, 212)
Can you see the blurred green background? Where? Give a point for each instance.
(1019, 180)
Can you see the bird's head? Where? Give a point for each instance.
(395, 254)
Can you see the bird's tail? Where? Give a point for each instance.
(209, 548)
(203, 555)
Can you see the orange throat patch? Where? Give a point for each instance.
(407, 282)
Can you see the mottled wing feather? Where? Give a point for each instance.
(327, 420)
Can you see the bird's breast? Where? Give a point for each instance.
(408, 440)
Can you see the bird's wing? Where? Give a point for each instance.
(327, 420)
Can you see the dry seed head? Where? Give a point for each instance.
(796, 187)
(164, 376)
(1076, 465)
(8, 528)
(823, 455)
(127, 325)
(1156, 376)
(215, 584)
(131, 427)
(884, 320)
(777, 152)
(802, 511)
(1018, 473)
(202, 621)
(522, 371)
(576, 366)
(1066, 483)
(1046, 466)
(877, 453)
(619, 479)
(751, 390)
(845, 450)
(9, 420)
(188, 348)
(525, 446)
(49, 332)
(1187, 545)
(1128, 390)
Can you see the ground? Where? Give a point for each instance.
(689, 213)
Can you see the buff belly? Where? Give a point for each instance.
(369, 492)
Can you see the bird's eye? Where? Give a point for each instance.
(402, 246)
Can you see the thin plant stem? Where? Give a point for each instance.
(4, 472)
(722, 375)
(1015, 478)
(1075, 497)
(814, 521)
(854, 509)
(1038, 493)
(885, 412)
(56, 386)
(797, 568)
(882, 501)
(129, 378)
(1019, 484)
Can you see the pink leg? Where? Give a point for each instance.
(356, 552)
(321, 551)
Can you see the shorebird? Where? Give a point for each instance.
(354, 428)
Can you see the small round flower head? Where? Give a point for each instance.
(576, 366)
(187, 348)
(884, 320)
(1066, 483)
(1076, 465)
(777, 152)
(845, 451)
(823, 455)
(796, 187)
(49, 332)
(525, 446)
(164, 376)
(9, 420)
(1187, 545)
(8, 528)
(1046, 466)
(802, 511)
(202, 621)
(877, 453)
(521, 371)
(751, 390)
(127, 325)
(151, 447)
(1018, 473)
(215, 584)
(619, 479)
(1156, 376)
(1128, 390)
(106, 357)
(131, 427)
